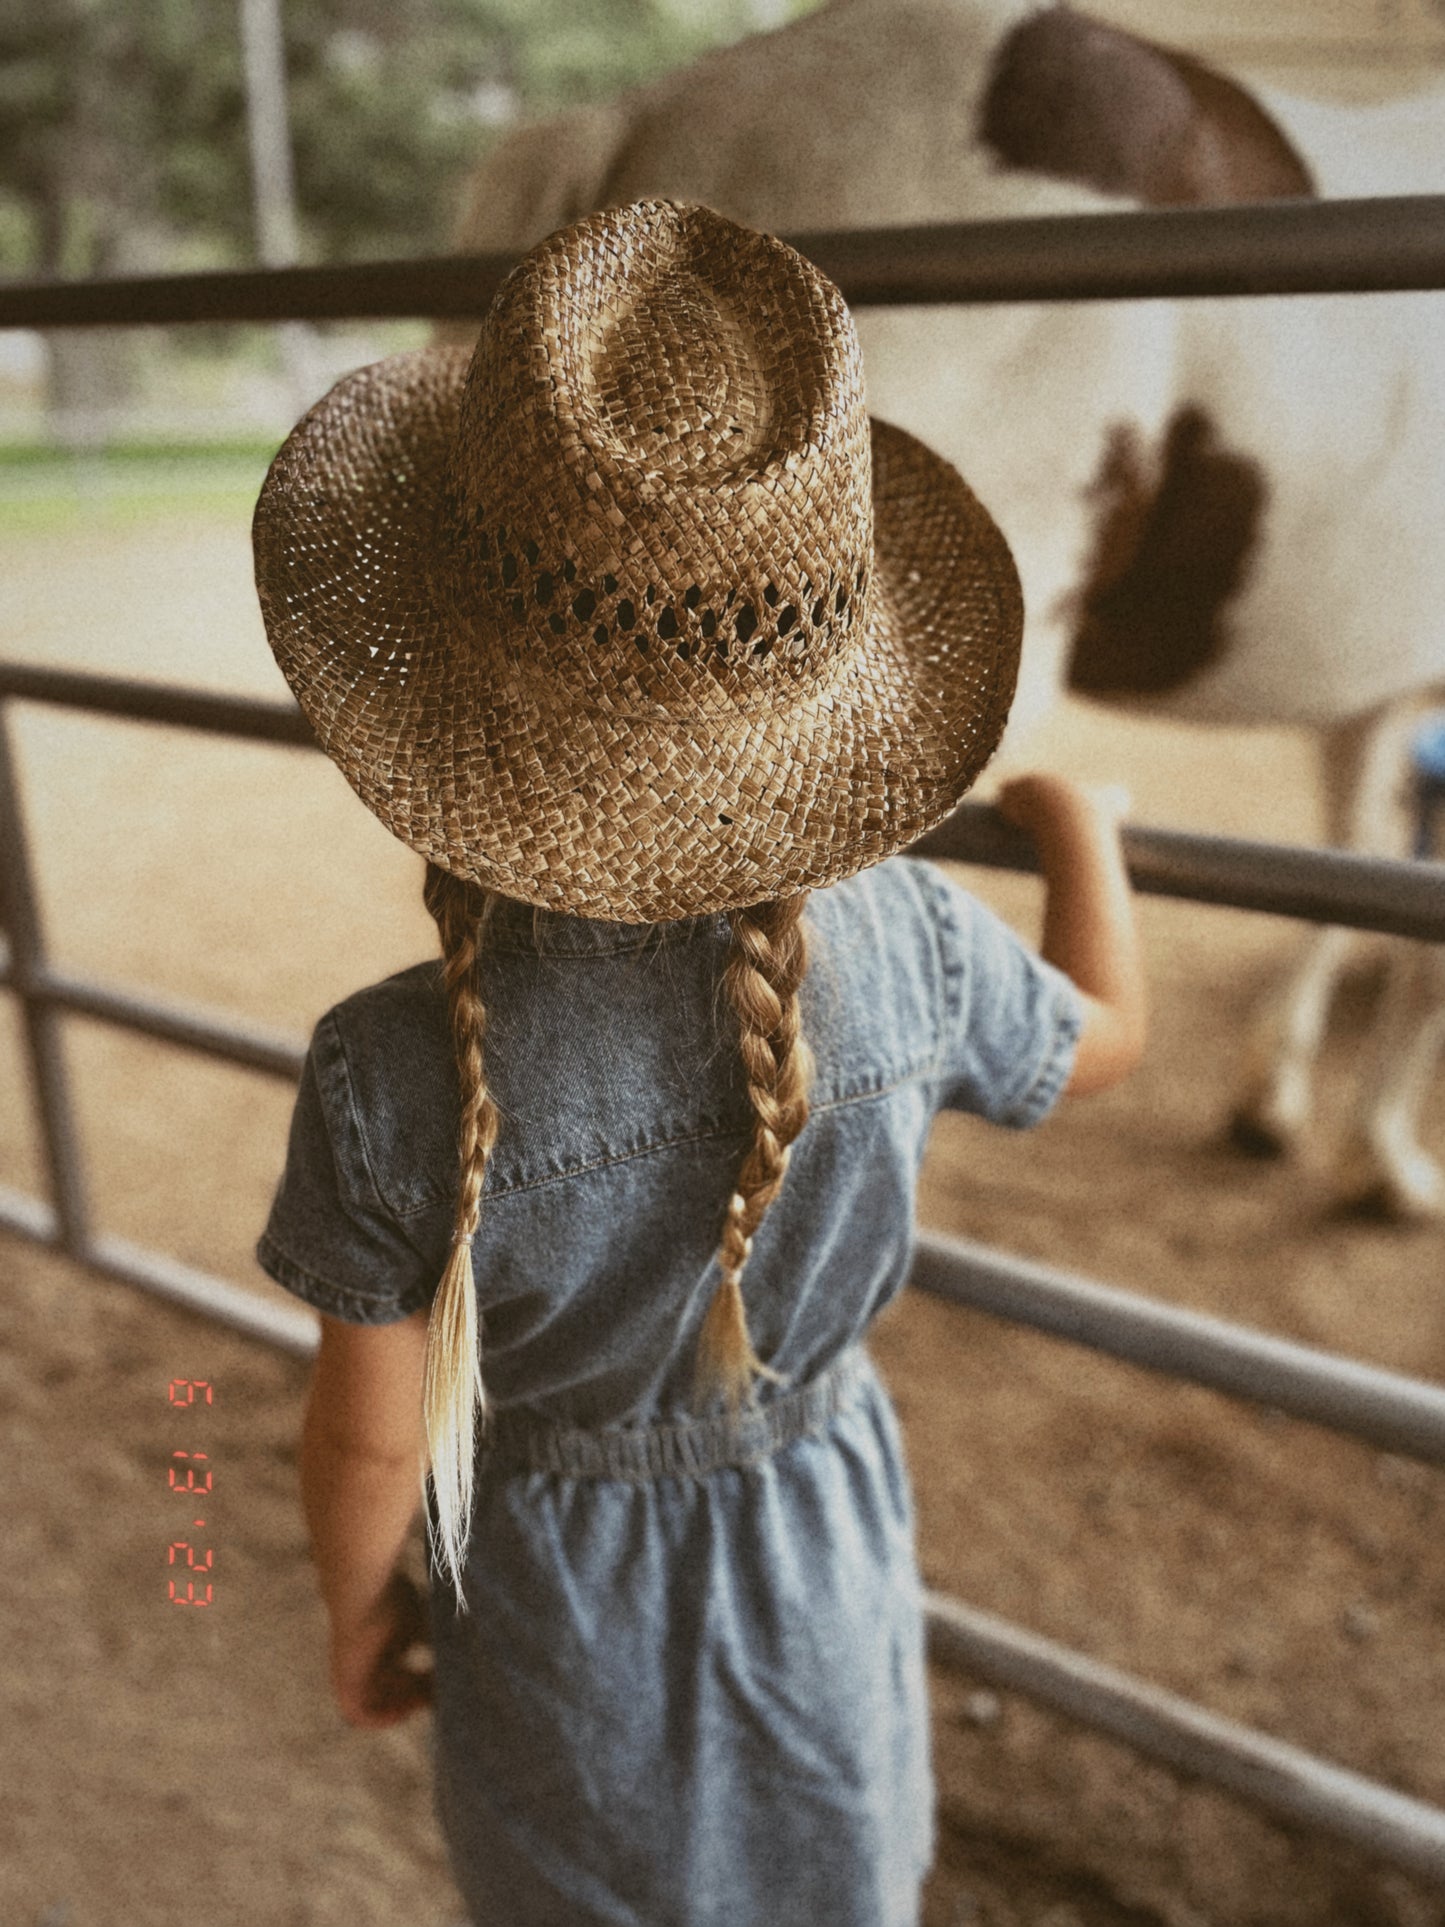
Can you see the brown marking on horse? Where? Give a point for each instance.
(1173, 539)
(1081, 101)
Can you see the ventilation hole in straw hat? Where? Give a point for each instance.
(509, 569)
(626, 614)
(557, 623)
(583, 605)
(609, 585)
(787, 616)
(746, 622)
(667, 624)
(531, 551)
(600, 634)
(763, 647)
(692, 596)
(709, 624)
(770, 595)
(724, 819)
(820, 614)
(651, 595)
(544, 586)
(569, 570)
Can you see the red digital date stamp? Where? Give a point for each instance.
(192, 1478)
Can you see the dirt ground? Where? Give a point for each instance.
(161, 1766)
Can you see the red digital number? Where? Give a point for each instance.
(188, 1392)
(184, 1545)
(190, 1484)
(190, 1386)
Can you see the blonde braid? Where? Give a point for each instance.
(764, 969)
(453, 1398)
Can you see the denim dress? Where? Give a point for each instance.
(689, 1688)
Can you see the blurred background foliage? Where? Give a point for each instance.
(124, 144)
(123, 125)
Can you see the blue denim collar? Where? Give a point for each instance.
(526, 927)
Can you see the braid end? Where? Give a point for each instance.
(454, 1405)
(726, 1361)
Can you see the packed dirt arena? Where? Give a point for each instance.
(166, 1764)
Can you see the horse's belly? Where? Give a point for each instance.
(1278, 557)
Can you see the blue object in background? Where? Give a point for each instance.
(1428, 759)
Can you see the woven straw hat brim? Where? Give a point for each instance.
(562, 798)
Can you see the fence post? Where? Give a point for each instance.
(20, 916)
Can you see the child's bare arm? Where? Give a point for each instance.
(361, 1487)
(1089, 927)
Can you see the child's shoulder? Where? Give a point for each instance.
(905, 925)
(397, 1020)
(904, 898)
(405, 997)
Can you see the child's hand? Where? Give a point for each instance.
(1047, 806)
(370, 1684)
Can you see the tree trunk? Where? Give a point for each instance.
(91, 372)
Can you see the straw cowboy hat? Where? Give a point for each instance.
(634, 613)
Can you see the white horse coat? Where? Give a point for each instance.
(1224, 511)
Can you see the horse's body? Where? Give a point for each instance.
(1224, 511)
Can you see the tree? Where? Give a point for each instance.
(123, 126)
(119, 116)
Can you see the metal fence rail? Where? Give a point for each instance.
(1401, 898)
(1284, 1780)
(1400, 1414)
(1385, 245)
(1279, 248)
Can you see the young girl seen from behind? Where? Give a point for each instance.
(655, 647)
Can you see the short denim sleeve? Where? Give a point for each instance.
(329, 1239)
(1011, 1022)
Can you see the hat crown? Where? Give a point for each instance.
(676, 386)
(662, 475)
(627, 674)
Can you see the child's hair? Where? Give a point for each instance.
(765, 967)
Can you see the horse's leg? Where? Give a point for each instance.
(1382, 1164)
(1273, 1110)
(1360, 764)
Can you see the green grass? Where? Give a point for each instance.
(32, 455)
(42, 487)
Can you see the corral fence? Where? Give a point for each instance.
(1279, 248)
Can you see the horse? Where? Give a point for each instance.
(1221, 511)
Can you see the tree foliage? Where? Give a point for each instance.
(123, 127)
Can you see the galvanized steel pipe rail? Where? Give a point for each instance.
(1384, 1408)
(1382, 245)
(1401, 898)
(1283, 1779)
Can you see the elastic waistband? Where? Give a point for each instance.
(688, 1449)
